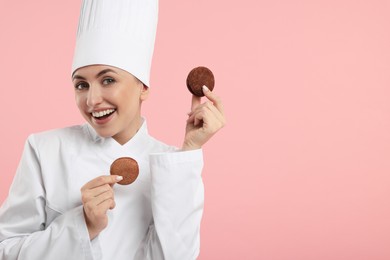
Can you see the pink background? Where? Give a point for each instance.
(301, 171)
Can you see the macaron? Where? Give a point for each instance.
(198, 77)
(127, 168)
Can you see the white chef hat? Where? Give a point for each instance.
(117, 33)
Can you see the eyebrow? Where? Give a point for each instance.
(97, 75)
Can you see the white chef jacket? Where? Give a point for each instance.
(156, 217)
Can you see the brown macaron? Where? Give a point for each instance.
(198, 77)
(127, 168)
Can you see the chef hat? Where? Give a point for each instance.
(117, 33)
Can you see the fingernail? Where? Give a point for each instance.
(205, 89)
(119, 178)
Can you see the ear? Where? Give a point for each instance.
(144, 92)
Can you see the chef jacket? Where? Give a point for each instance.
(156, 217)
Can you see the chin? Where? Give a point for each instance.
(103, 133)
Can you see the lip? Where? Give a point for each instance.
(104, 120)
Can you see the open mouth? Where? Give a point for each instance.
(102, 114)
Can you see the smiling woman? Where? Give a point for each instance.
(110, 100)
(156, 217)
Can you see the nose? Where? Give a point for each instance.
(94, 96)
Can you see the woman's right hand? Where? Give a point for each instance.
(97, 196)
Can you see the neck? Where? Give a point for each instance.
(126, 135)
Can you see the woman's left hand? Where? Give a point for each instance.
(204, 120)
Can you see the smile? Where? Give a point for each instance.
(102, 114)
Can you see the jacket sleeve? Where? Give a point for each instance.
(28, 229)
(177, 198)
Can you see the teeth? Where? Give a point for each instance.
(102, 113)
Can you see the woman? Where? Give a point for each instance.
(63, 204)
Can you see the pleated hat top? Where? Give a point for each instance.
(118, 33)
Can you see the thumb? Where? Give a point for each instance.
(195, 102)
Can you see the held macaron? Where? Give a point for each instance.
(198, 77)
(127, 168)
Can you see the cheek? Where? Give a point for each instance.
(80, 100)
(128, 98)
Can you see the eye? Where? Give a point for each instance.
(108, 81)
(81, 86)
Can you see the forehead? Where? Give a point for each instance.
(94, 71)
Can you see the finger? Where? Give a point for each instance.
(99, 190)
(96, 201)
(213, 98)
(215, 114)
(112, 204)
(199, 107)
(197, 116)
(102, 180)
(89, 194)
(107, 196)
(101, 209)
(195, 102)
(106, 205)
(206, 106)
